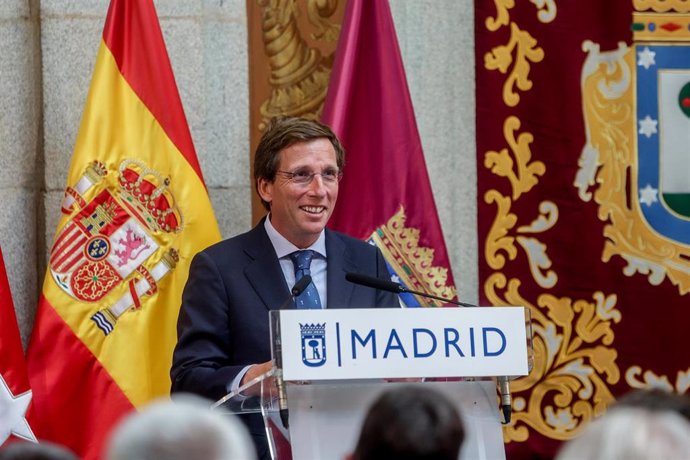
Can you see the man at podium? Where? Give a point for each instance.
(223, 327)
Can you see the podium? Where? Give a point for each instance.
(330, 365)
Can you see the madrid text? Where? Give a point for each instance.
(425, 343)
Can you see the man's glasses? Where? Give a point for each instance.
(305, 177)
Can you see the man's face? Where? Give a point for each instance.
(300, 212)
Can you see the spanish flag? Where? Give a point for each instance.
(135, 212)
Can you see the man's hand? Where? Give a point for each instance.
(255, 371)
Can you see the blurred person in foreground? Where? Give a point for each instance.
(410, 423)
(657, 399)
(180, 429)
(21, 450)
(631, 433)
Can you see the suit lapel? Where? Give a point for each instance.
(264, 273)
(267, 279)
(339, 263)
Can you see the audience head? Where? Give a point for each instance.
(631, 433)
(411, 422)
(32, 451)
(657, 399)
(183, 428)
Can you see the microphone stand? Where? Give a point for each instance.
(504, 391)
(278, 374)
(296, 290)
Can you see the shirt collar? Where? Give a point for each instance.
(284, 248)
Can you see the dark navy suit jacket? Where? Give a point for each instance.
(223, 324)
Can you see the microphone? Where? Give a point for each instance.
(390, 286)
(300, 286)
(296, 290)
(504, 391)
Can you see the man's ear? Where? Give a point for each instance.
(349, 456)
(265, 189)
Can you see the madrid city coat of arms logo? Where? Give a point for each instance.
(313, 337)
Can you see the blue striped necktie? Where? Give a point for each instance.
(309, 298)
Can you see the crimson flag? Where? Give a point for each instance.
(385, 195)
(15, 393)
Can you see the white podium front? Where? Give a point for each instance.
(330, 365)
(330, 417)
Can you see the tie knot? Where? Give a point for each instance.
(302, 259)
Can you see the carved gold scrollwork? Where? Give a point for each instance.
(573, 365)
(500, 58)
(502, 16)
(499, 241)
(548, 216)
(299, 74)
(539, 262)
(546, 10)
(521, 174)
(651, 380)
(498, 238)
(317, 11)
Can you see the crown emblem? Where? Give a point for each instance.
(147, 194)
(313, 329)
